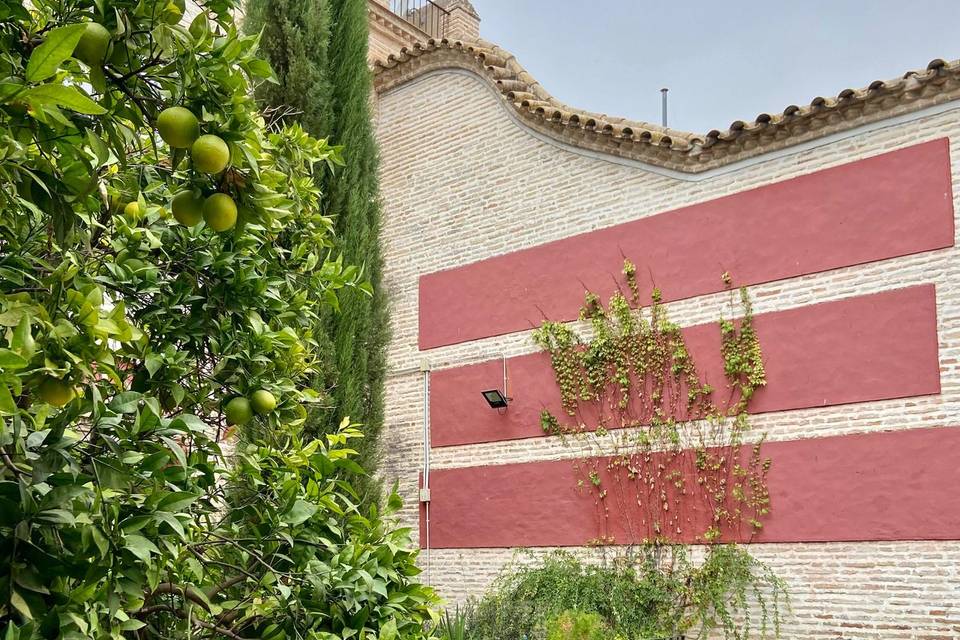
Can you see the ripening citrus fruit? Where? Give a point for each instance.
(263, 401)
(238, 411)
(55, 391)
(178, 127)
(210, 154)
(132, 211)
(93, 44)
(187, 208)
(220, 212)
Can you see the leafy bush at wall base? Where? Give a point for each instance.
(453, 624)
(576, 625)
(160, 275)
(645, 593)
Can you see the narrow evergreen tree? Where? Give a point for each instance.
(318, 49)
(296, 37)
(361, 331)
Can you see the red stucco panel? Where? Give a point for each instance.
(871, 347)
(882, 486)
(890, 205)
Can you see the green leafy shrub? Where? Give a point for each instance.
(453, 625)
(655, 592)
(126, 333)
(576, 625)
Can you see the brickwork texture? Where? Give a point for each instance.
(463, 181)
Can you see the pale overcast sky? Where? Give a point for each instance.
(723, 60)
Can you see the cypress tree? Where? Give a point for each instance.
(318, 49)
(296, 37)
(361, 330)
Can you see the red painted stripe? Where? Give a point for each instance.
(871, 347)
(890, 205)
(899, 485)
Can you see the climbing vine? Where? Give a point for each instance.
(667, 456)
(653, 433)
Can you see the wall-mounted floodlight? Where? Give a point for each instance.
(495, 398)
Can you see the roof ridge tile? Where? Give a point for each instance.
(657, 145)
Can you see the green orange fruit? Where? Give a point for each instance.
(263, 402)
(93, 44)
(132, 210)
(210, 154)
(116, 202)
(187, 208)
(55, 391)
(141, 380)
(238, 411)
(178, 127)
(220, 212)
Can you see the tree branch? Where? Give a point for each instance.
(229, 633)
(120, 84)
(221, 630)
(150, 63)
(187, 593)
(8, 463)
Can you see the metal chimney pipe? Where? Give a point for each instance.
(663, 110)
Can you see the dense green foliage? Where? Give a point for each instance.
(320, 48)
(653, 593)
(361, 330)
(295, 37)
(453, 625)
(577, 625)
(127, 337)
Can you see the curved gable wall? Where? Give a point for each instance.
(462, 182)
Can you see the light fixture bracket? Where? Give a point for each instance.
(496, 399)
(499, 399)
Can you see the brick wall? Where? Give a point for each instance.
(462, 181)
(463, 21)
(389, 32)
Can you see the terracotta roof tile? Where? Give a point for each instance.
(671, 148)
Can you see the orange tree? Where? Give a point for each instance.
(162, 260)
